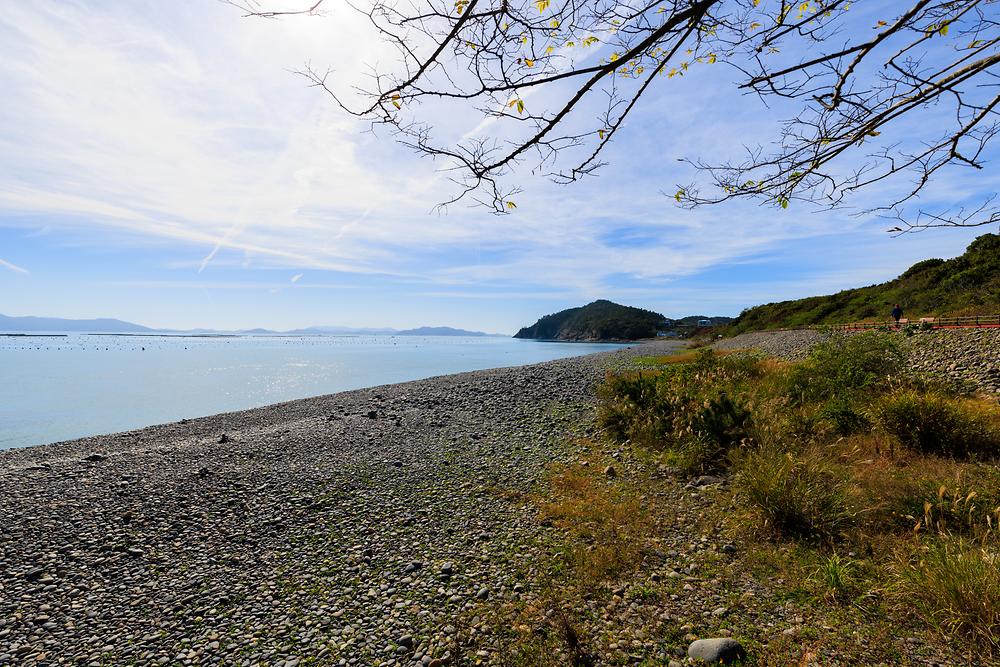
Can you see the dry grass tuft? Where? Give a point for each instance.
(605, 522)
(954, 585)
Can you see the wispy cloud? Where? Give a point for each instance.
(158, 126)
(13, 267)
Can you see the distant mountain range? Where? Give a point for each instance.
(108, 325)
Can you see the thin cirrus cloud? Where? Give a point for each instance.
(148, 122)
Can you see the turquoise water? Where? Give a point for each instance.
(59, 388)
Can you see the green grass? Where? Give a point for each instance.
(969, 284)
(843, 461)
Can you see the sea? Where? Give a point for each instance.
(67, 386)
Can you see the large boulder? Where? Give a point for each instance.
(722, 650)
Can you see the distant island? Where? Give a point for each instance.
(601, 320)
(104, 325)
(968, 284)
(109, 325)
(439, 331)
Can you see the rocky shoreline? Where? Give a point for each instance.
(969, 356)
(356, 528)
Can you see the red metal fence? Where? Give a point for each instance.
(963, 322)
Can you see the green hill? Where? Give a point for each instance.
(600, 320)
(969, 284)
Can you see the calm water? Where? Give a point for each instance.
(68, 387)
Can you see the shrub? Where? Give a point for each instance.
(934, 424)
(843, 414)
(631, 408)
(955, 585)
(682, 408)
(798, 496)
(845, 365)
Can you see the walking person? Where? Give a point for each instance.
(897, 314)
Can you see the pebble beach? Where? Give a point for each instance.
(354, 528)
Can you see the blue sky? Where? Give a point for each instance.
(159, 163)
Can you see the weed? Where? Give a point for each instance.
(955, 585)
(836, 576)
(605, 523)
(845, 365)
(937, 424)
(796, 495)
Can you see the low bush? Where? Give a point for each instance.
(637, 407)
(843, 415)
(798, 496)
(955, 585)
(935, 424)
(687, 408)
(846, 365)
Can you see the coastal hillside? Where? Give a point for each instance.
(966, 284)
(600, 320)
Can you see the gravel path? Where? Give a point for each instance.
(356, 528)
(793, 345)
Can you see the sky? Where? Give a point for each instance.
(163, 164)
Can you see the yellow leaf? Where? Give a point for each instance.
(614, 57)
(549, 49)
(571, 44)
(711, 58)
(542, 5)
(529, 62)
(600, 133)
(680, 193)
(511, 205)
(943, 30)
(520, 106)
(397, 104)
(554, 23)
(881, 24)
(754, 26)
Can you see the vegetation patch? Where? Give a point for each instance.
(969, 284)
(885, 482)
